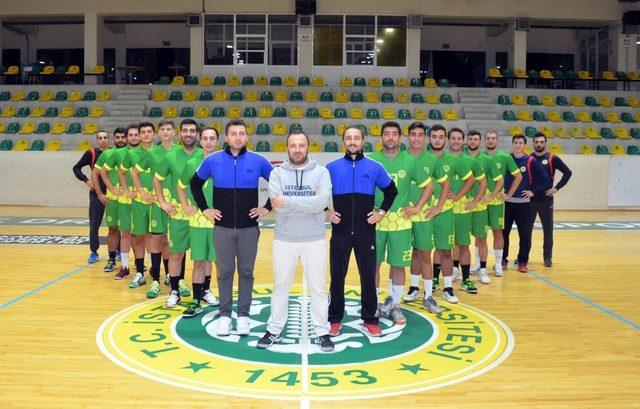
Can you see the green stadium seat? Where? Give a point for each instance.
(561, 100)
(312, 113)
(51, 112)
(304, 81)
(635, 133)
(43, 127)
(530, 131)
(206, 96)
(404, 113)
(249, 112)
(357, 97)
(273, 81)
(295, 127)
(280, 112)
(627, 117)
(504, 100)
(539, 116)
(6, 145)
(295, 96)
(81, 112)
(631, 150)
(155, 112)
(622, 76)
(367, 147)
(607, 133)
(89, 96)
(597, 117)
(446, 99)
(164, 80)
(6, 95)
(219, 80)
(435, 115)
(37, 145)
(417, 98)
(507, 73)
(74, 128)
(373, 113)
(331, 147)
(569, 116)
(620, 102)
(248, 80)
(533, 100)
(266, 96)
(263, 146)
(263, 129)
(443, 83)
(363, 129)
(191, 80)
(33, 96)
(359, 82)
(416, 83)
(508, 116)
(386, 98)
(388, 82)
(602, 150)
(175, 96)
(591, 101)
(326, 96)
(558, 74)
(218, 112)
(570, 75)
(328, 130)
(13, 127)
(533, 74)
(236, 96)
(340, 113)
(186, 112)
(23, 112)
(402, 147)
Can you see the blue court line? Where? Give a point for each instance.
(586, 301)
(44, 286)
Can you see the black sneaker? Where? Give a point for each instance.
(111, 265)
(326, 344)
(267, 340)
(548, 262)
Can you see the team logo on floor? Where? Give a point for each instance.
(428, 352)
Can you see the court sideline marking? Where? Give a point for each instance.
(304, 399)
(45, 285)
(585, 300)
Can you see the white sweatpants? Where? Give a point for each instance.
(285, 260)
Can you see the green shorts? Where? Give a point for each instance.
(422, 233)
(202, 244)
(496, 216)
(124, 217)
(158, 220)
(111, 213)
(395, 245)
(444, 230)
(462, 223)
(139, 218)
(178, 235)
(480, 224)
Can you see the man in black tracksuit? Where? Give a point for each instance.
(354, 179)
(542, 203)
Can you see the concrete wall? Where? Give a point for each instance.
(52, 183)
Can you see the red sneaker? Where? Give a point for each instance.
(522, 267)
(335, 329)
(372, 329)
(504, 264)
(124, 272)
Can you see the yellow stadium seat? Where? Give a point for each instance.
(279, 146)
(36, 112)
(372, 98)
(2, 127)
(75, 96)
(234, 112)
(547, 100)
(311, 96)
(342, 128)
(96, 112)
(326, 113)
(190, 96)
(527, 149)
(554, 116)
(388, 113)
(402, 82)
(217, 126)
(265, 112)
(205, 81)
(586, 150)
(317, 81)
(494, 73)
(356, 113)
(546, 74)
(46, 96)
(296, 112)
(103, 96)
(73, 70)
(584, 75)
(281, 96)
(53, 145)
(250, 145)
(577, 101)
(430, 83)
(342, 96)
(90, 128)
(290, 81)
(98, 69)
(524, 116)
(250, 131)
(375, 130)
(17, 96)
(373, 82)
(262, 81)
(251, 96)
(622, 133)
(8, 112)
(562, 132)
(633, 102)
(21, 145)
(177, 80)
(432, 99)
(378, 147)
(159, 96)
(402, 98)
(613, 117)
(632, 75)
(405, 130)
(27, 128)
(576, 132)
(637, 117)
(48, 70)
(515, 130)
(591, 133)
(608, 75)
(12, 70)
(556, 149)
(420, 115)
(233, 81)
(170, 112)
(584, 116)
(221, 96)
(58, 128)
(203, 112)
(518, 100)
(315, 147)
(279, 129)
(617, 150)
(548, 132)
(605, 102)
(66, 112)
(450, 115)
(346, 82)
(83, 145)
(521, 73)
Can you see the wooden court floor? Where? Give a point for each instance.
(576, 327)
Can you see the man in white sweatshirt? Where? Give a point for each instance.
(300, 190)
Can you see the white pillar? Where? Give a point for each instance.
(196, 54)
(305, 51)
(92, 43)
(1, 31)
(517, 50)
(414, 37)
(623, 53)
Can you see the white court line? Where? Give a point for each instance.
(304, 399)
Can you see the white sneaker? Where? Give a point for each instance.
(457, 274)
(210, 298)
(242, 326)
(484, 277)
(497, 271)
(474, 269)
(412, 295)
(223, 326)
(450, 298)
(173, 299)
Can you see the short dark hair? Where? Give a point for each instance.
(119, 130)
(166, 122)
(297, 133)
(490, 131)
(353, 127)
(101, 131)
(391, 124)
(437, 127)
(188, 121)
(130, 127)
(146, 125)
(455, 129)
(473, 132)
(210, 128)
(234, 122)
(519, 136)
(540, 135)
(415, 125)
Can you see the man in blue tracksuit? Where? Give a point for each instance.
(518, 206)
(354, 179)
(235, 212)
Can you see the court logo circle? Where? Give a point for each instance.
(429, 351)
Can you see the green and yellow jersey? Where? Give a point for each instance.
(466, 162)
(457, 171)
(113, 173)
(426, 161)
(198, 219)
(505, 163)
(491, 173)
(172, 167)
(112, 164)
(133, 159)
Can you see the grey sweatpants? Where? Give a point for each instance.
(232, 245)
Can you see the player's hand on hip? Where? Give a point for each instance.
(527, 193)
(89, 184)
(190, 210)
(431, 212)
(103, 199)
(551, 191)
(213, 214)
(168, 208)
(374, 217)
(258, 213)
(410, 211)
(333, 217)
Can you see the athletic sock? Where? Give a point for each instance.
(183, 267)
(396, 293)
(207, 283)
(165, 262)
(436, 270)
(456, 263)
(175, 283)
(197, 291)
(498, 255)
(415, 280)
(139, 265)
(155, 266)
(448, 281)
(428, 287)
(124, 258)
(112, 256)
(483, 264)
(476, 253)
(465, 271)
